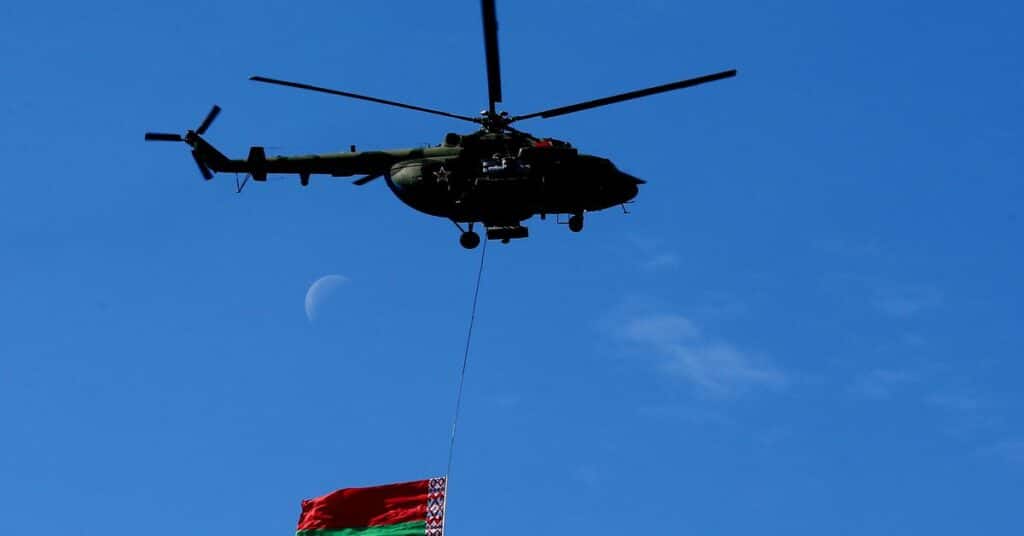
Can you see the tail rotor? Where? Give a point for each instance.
(203, 170)
(190, 138)
(158, 136)
(208, 120)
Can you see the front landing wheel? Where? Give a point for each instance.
(576, 223)
(469, 240)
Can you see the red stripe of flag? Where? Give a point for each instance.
(366, 507)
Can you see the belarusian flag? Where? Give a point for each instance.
(406, 509)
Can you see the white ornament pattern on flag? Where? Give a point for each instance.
(435, 506)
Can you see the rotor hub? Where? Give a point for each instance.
(495, 121)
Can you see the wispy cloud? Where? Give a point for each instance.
(652, 254)
(968, 415)
(661, 261)
(955, 402)
(715, 367)
(906, 302)
(1012, 450)
(684, 414)
(507, 400)
(720, 367)
(898, 301)
(660, 329)
(848, 248)
(881, 384)
(589, 475)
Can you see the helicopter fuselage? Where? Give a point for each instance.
(503, 184)
(497, 179)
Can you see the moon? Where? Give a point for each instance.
(320, 291)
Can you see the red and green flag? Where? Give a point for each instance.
(406, 509)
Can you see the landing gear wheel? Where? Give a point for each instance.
(576, 223)
(469, 240)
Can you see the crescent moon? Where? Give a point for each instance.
(319, 291)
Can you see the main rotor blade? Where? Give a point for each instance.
(572, 108)
(491, 52)
(367, 179)
(160, 136)
(209, 120)
(361, 97)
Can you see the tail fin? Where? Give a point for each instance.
(210, 155)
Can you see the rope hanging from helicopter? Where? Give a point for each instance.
(465, 360)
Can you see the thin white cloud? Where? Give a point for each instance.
(660, 329)
(652, 254)
(717, 368)
(848, 248)
(1012, 450)
(906, 302)
(720, 368)
(508, 400)
(892, 300)
(881, 384)
(661, 261)
(685, 414)
(590, 475)
(955, 402)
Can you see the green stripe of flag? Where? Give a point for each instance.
(410, 528)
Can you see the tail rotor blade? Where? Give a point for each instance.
(209, 120)
(207, 174)
(160, 136)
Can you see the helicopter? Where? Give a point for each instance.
(497, 176)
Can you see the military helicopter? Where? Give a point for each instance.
(497, 176)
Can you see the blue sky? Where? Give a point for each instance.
(810, 322)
